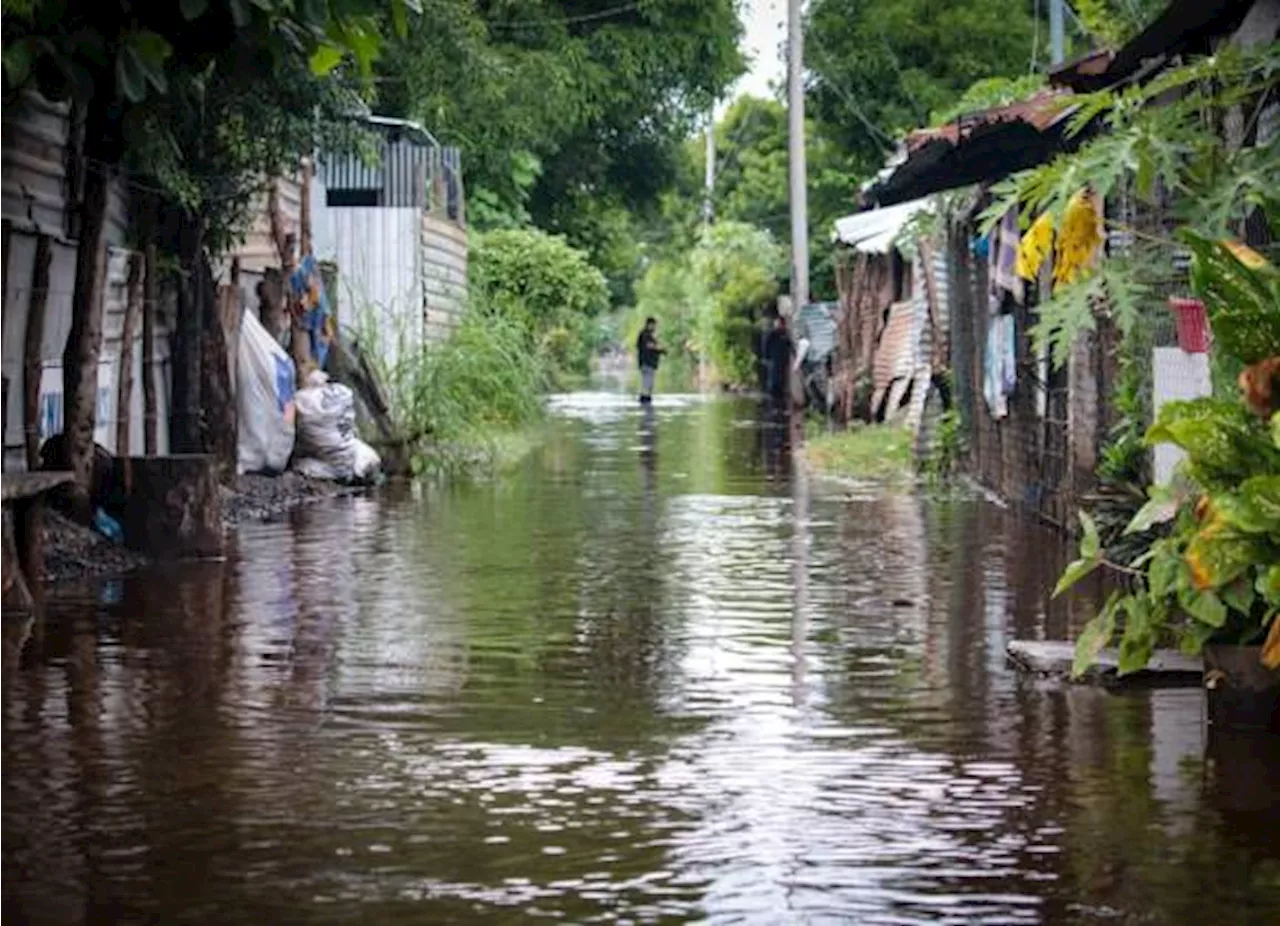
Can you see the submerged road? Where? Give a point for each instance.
(652, 676)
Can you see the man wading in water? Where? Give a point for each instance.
(648, 353)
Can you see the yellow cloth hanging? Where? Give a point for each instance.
(1034, 247)
(1078, 240)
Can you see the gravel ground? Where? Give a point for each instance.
(76, 552)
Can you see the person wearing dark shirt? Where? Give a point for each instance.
(777, 359)
(649, 354)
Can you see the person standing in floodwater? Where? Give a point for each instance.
(777, 361)
(649, 354)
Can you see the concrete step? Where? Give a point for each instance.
(1053, 658)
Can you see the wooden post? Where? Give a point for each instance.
(304, 210)
(33, 351)
(124, 394)
(300, 341)
(149, 351)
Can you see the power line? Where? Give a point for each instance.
(844, 94)
(568, 20)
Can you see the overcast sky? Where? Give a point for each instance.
(766, 29)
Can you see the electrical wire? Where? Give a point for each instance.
(567, 20)
(871, 127)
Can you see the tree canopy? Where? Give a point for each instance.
(554, 103)
(878, 69)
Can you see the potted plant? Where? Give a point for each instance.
(1209, 579)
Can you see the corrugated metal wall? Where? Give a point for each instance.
(380, 275)
(36, 189)
(17, 281)
(36, 186)
(401, 176)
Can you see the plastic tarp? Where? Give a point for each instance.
(264, 400)
(875, 230)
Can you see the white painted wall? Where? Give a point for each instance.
(1176, 375)
(379, 274)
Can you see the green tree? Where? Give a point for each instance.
(880, 68)
(568, 114)
(709, 300)
(1114, 22)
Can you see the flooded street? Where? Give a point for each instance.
(651, 676)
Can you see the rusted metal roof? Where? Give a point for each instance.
(1039, 111)
(1080, 72)
(979, 147)
(1185, 27)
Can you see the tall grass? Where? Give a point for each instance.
(878, 453)
(461, 404)
(482, 383)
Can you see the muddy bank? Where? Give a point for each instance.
(76, 552)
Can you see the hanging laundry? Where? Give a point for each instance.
(1079, 240)
(308, 289)
(1003, 277)
(999, 365)
(1008, 355)
(1035, 247)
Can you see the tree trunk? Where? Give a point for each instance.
(5, 242)
(217, 398)
(33, 351)
(185, 431)
(84, 340)
(124, 397)
(149, 417)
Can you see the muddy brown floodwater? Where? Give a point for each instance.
(649, 677)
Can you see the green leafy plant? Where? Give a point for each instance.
(1211, 573)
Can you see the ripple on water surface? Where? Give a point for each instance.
(647, 677)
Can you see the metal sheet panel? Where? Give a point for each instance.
(379, 275)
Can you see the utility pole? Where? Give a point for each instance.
(709, 178)
(1057, 40)
(798, 173)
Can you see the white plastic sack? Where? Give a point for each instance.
(367, 461)
(326, 428)
(264, 400)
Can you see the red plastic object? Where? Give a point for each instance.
(1192, 324)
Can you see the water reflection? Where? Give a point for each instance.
(658, 674)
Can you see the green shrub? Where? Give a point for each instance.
(547, 288)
